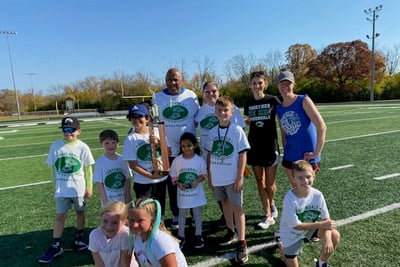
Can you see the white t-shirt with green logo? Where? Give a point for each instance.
(206, 120)
(186, 171)
(69, 161)
(177, 112)
(137, 147)
(296, 210)
(225, 144)
(113, 174)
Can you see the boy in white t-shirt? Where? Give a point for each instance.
(226, 160)
(112, 175)
(304, 216)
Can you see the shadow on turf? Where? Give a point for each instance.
(26, 249)
(212, 234)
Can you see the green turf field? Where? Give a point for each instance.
(362, 144)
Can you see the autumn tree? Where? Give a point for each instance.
(298, 56)
(345, 67)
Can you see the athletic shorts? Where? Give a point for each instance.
(64, 204)
(227, 192)
(288, 165)
(296, 249)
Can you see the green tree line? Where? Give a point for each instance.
(339, 72)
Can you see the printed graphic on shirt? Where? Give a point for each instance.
(308, 215)
(187, 178)
(143, 152)
(67, 164)
(176, 112)
(209, 122)
(290, 122)
(114, 180)
(260, 113)
(222, 149)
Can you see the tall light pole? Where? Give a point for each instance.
(372, 16)
(32, 90)
(7, 33)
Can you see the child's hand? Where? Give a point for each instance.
(194, 183)
(181, 186)
(238, 185)
(89, 193)
(327, 246)
(328, 224)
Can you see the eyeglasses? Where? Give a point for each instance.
(210, 92)
(68, 129)
(257, 74)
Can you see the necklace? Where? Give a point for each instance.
(221, 151)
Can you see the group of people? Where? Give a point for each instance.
(132, 233)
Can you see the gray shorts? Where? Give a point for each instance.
(226, 191)
(64, 204)
(296, 248)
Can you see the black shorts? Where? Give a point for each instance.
(288, 165)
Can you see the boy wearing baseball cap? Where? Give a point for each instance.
(71, 167)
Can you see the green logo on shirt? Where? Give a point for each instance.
(220, 149)
(144, 152)
(115, 180)
(209, 122)
(175, 112)
(67, 165)
(187, 178)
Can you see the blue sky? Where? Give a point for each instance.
(64, 41)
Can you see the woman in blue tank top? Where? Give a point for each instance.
(302, 126)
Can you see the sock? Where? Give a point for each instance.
(57, 241)
(79, 234)
(242, 243)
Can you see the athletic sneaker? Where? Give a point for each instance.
(242, 255)
(80, 245)
(182, 242)
(266, 222)
(221, 222)
(175, 223)
(323, 265)
(274, 211)
(228, 238)
(52, 252)
(198, 241)
(277, 236)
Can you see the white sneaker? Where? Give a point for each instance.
(266, 223)
(274, 211)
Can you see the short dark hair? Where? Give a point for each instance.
(108, 134)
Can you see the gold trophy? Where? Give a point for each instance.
(160, 167)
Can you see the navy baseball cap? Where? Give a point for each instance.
(70, 122)
(139, 110)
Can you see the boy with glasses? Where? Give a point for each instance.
(71, 164)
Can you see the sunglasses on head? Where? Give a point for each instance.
(68, 129)
(257, 74)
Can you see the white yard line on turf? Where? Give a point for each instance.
(24, 185)
(387, 176)
(228, 256)
(340, 167)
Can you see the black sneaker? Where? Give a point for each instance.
(221, 222)
(52, 252)
(323, 265)
(182, 242)
(242, 255)
(80, 244)
(228, 238)
(198, 241)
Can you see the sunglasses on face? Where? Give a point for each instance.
(68, 130)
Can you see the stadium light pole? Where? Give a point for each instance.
(372, 16)
(32, 90)
(7, 33)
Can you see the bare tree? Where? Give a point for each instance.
(273, 61)
(392, 58)
(205, 72)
